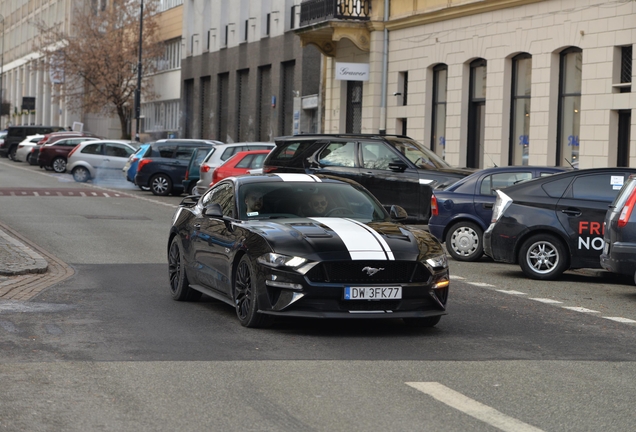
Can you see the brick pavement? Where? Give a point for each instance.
(26, 269)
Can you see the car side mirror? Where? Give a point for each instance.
(397, 166)
(398, 213)
(213, 210)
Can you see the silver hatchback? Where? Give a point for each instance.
(93, 159)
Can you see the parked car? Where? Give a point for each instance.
(25, 147)
(99, 158)
(396, 169)
(241, 163)
(551, 224)
(356, 263)
(220, 154)
(163, 166)
(17, 134)
(53, 156)
(192, 173)
(130, 168)
(461, 212)
(51, 138)
(619, 251)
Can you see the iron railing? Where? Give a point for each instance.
(316, 11)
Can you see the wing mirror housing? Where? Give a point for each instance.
(398, 213)
(397, 166)
(213, 210)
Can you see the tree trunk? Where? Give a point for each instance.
(123, 121)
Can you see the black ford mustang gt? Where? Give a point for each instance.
(343, 257)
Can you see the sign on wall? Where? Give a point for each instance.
(352, 71)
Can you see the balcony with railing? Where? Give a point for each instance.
(320, 11)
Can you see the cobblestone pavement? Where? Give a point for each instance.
(25, 269)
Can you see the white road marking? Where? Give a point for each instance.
(481, 284)
(579, 309)
(473, 408)
(621, 320)
(546, 300)
(513, 292)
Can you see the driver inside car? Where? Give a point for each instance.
(318, 205)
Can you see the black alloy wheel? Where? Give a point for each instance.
(160, 184)
(246, 298)
(81, 174)
(543, 257)
(59, 165)
(464, 241)
(179, 286)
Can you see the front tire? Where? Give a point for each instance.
(422, 322)
(179, 286)
(543, 257)
(161, 185)
(81, 174)
(464, 241)
(246, 296)
(59, 165)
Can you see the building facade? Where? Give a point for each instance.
(245, 76)
(484, 82)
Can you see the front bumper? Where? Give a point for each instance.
(498, 245)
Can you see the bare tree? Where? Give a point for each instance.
(96, 61)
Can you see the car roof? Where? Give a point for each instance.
(314, 136)
(238, 144)
(289, 177)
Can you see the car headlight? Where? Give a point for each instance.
(438, 262)
(277, 260)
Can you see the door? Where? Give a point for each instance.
(115, 157)
(354, 107)
(581, 212)
(388, 176)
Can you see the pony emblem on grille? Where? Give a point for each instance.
(371, 271)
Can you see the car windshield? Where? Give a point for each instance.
(418, 154)
(303, 199)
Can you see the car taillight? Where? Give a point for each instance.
(143, 162)
(501, 204)
(187, 174)
(215, 177)
(434, 209)
(72, 151)
(205, 168)
(627, 209)
(269, 169)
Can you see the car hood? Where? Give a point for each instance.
(347, 239)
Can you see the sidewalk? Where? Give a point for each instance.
(18, 259)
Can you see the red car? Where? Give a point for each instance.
(241, 163)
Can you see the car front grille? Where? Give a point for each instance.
(357, 272)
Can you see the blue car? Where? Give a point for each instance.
(461, 212)
(130, 169)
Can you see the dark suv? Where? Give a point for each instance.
(17, 134)
(551, 224)
(163, 167)
(396, 169)
(619, 251)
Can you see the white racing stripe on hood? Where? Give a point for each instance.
(362, 242)
(299, 178)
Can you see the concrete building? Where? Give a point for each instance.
(244, 75)
(483, 82)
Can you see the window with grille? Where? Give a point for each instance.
(626, 68)
(171, 58)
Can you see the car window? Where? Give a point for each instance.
(557, 188)
(184, 153)
(166, 151)
(501, 180)
(288, 150)
(117, 150)
(95, 149)
(199, 155)
(421, 156)
(257, 161)
(245, 162)
(338, 154)
(597, 187)
(624, 193)
(222, 194)
(231, 151)
(377, 155)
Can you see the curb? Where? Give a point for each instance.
(18, 259)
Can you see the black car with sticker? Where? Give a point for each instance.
(302, 245)
(552, 224)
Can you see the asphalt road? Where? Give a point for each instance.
(107, 349)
